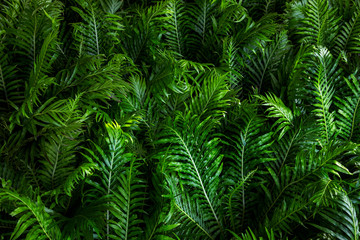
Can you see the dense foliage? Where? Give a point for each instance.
(177, 119)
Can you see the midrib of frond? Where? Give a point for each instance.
(287, 152)
(210, 96)
(198, 176)
(323, 192)
(287, 215)
(177, 27)
(204, 22)
(95, 30)
(61, 138)
(323, 109)
(128, 203)
(34, 40)
(108, 192)
(242, 170)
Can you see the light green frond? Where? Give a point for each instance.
(34, 218)
(277, 109)
(325, 75)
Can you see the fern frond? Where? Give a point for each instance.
(202, 13)
(232, 61)
(142, 31)
(277, 109)
(251, 35)
(89, 33)
(249, 235)
(348, 41)
(248, 149)
(111, 160)
(195, 155)
(115, 181)
(309, 167)
(212, 99)
(58, 161)
(263, 66)
(39, 81)
(33, 217)
(38, 21)
(348, 113)
(128, 205)
(325, 76)
(111, 6)
(324, 191)
(341, 222)
(177, 27)
(186, 212)
(80, 173)
(320, 23)
(11, 89)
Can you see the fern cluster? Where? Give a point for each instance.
(174, 119)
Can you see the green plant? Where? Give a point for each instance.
(199, 119)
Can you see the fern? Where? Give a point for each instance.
(249, 235)
(348, 227)
(10, 87)
(347, 41)
(80, 173)
(38, 23)
(233, 62)
(121, 185)
(197, 160)
(223, 119)
(320, 23)
(249, 148)
(262, 67)
(177, 27)
(348, 109)
(33, 216)
(128, 205)
(307, 169)
(278, 110)
(213, 97)
(89, 33)
(325, 76)
(111, 6)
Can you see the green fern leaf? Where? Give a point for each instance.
(277, 109)
(340, 222)
(324, 78)
(348, 113)
(34, 218)
(347, 41)
(196, 158)
(320, 23)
